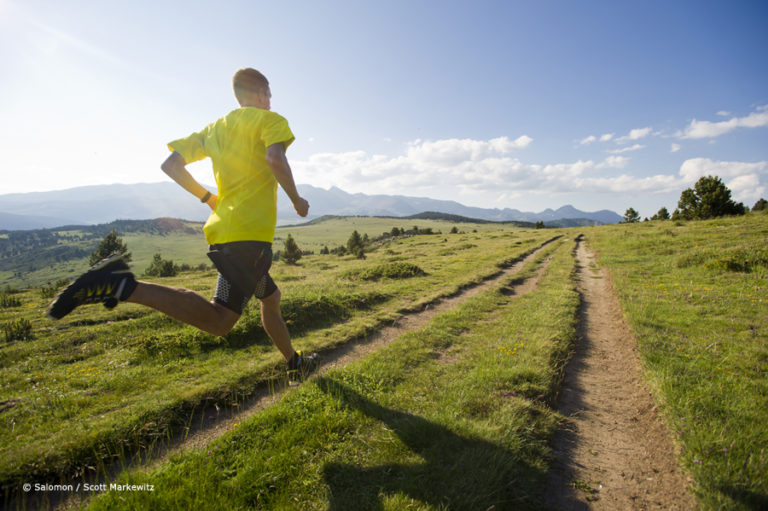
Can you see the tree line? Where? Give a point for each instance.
(709, 198)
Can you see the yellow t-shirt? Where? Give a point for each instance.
(246, 209)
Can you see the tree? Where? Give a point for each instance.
(760, 205)
(108, 246)
(291, 252)
(356, 246)
(709, 198)
(662, 214)
(160, 267)
(454, 230)
(540, 224)
(631, 216)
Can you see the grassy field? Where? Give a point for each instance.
(696, 297)
(88, 389)
(449, 416)
(187, 245)
(456, 415)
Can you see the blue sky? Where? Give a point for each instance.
(526, 105)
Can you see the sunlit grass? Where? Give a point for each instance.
(695, 296)
(101, 383)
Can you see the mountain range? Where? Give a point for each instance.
(87, 205)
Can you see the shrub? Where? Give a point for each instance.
(396, 270)
(740, 260)
(8, 301)
(17, 330)
(50, 290)
(291, 252)
(161, 267)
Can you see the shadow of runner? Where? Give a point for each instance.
(457, 472)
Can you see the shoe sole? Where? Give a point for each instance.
(96, 267)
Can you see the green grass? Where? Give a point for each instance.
(188, 246)
(449, 416)
(456, 415)
(695, 297)
(100, 384)
(336, 231)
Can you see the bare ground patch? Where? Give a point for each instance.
(614, 452)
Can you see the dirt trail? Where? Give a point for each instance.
(614, 452)
(216, 424)
(214, 421)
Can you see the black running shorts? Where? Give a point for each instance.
(243, 272)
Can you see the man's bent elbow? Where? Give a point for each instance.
(172, 163)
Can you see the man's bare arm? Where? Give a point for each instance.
(279, 166)
(175, 167)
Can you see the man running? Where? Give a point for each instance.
(247, 147)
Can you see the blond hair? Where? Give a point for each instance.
(248, 81)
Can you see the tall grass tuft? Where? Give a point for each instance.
(17, 330)
(7, 301)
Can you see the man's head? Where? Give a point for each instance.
(251, 88)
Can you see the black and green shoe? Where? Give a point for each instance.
(301, 366)
(108, 281)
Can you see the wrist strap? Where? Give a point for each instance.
(205, 197)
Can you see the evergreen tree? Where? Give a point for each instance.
(631, 216)
(108, 246)
(356, 246)
(291, 252)
(662, 214)
(160, 267)
(760, 205)
(709, 198)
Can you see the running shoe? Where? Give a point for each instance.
(108, 281)
(303, 366)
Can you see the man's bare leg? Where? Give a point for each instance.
(186, 306)
(275, 326)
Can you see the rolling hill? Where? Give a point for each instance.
(89, 205)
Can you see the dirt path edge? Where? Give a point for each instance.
(614, 451)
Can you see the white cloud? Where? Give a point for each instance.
(723, 113)
(614, 162)
(627, 149)
(674, 148)
(635, 134)
(471, 168)
(708, 129)
(592, 138)
(746, 180)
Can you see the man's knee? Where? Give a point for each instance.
(272, 301)
(225, 320)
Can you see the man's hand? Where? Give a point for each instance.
(301, 206)
(212, 202)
